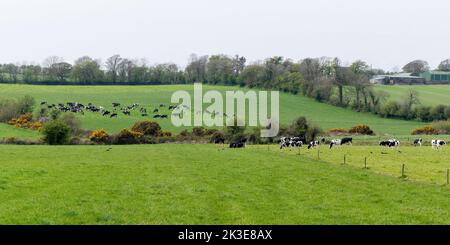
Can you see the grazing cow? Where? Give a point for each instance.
(144, 114)
(114, 104)
(290, 142)
(126, 112)
(43, 102)
(418, 142)
(164, 116)
(161, 105)
(113, 115)
(219, 141)
(342, 141)
(313, 144)
(390, 143)
(238, 144)
(155, 110)
(437, 144)
(156, 116)
(105, 113)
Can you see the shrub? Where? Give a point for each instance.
(198, 131)
(438, 112)
(361, 129)
(25, 104)
(147, 128)
(56, 132)
(166, 134)
(10, 109)
(22, 121)
(99, 136)
(127, 136)
(443, 127)
(73, 122)
(424, 113)
(428, 130)
(338, 131)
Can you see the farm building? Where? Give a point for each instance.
(436, 77)
(400, 79)
(429, 77)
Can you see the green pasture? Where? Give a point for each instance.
(208, 184)
(291, 106)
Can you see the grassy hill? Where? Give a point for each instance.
(430, 95)
(292, 106)
(154, 184)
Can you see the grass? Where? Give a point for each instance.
(7, 131)
(429, 95)
(421, 163)
(291, 106)
(178, 184)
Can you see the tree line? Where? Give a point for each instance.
(324, 79)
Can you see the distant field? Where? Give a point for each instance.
(429, 95)
(7, 131)
(203, 184)
(291, 106)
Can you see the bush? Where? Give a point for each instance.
(22, 121)
(10, 109)
(127, 137)
(198, 131)
(438, 112)
(361, 129)
(338, 131)
(148, 128)
(99, 136)
(73, 122)
(424, 113)
(56, 132)
(166, 134)
(443, 127)
(428, 130)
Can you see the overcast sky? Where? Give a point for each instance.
(385, 33)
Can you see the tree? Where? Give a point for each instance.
(60, 71)
(416, 67)
(360, 81)
(252, 76)
(196, 68)
(87, 71)
(238, 64)
(444, 65)
(112, 66)
(219, 70)
(13, 71)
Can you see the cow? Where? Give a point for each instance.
(113, 115)
(313, 144)
(418, 142)
(437, 144)
(390, 143)
(164, 116)
(114, 104)
(342, 141)
(290, 142)
(155, 110)
(156, 116)
(43, 102)
(105, 113)
(238, 144)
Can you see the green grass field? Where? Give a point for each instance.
(7, 131)
(291, 106)
(430, 95)
(421, 163)
(203, 184)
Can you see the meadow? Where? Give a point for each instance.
(205, 184)
(429, 95)
(291, 106)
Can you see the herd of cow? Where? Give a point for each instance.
(76, 107)
(287, 142)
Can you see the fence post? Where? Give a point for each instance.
(365, 162)
(403, 170)
(318, 154)
(345, 159)
(448, 176)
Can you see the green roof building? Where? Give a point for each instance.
(436, 76)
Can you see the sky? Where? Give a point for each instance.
(385, 33)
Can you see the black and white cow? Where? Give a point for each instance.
(238, 143)
(418, 142)
(290, 142)
(313, 144)
(342, 141)
(436, 144)
(390, 143)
